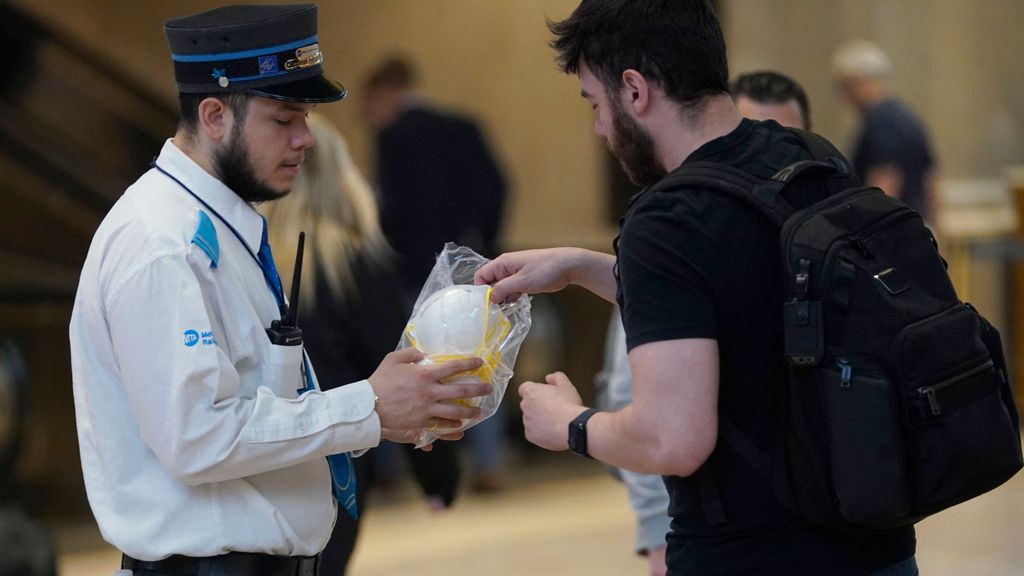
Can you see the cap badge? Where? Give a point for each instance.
(268, 65)
(305, 57)
(222, 79)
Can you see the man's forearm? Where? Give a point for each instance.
(639, 442)
(595, 272)
(617, 438)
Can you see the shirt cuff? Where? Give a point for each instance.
(352, 406)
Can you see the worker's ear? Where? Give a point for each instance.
(216, 119)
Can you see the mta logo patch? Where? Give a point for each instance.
(193, 337)
(268, 65)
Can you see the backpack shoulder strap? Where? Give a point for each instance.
(824, 156)
(769, 197)
(816, 145)
(733, 182)
(707, 486)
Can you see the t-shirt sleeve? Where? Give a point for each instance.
(666, 274)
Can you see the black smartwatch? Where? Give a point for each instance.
(578, 432)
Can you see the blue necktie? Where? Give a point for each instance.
(343, 482)
(343, 476)
(269, 270)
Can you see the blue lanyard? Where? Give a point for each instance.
(276, 290)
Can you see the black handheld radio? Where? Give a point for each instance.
(286, 331)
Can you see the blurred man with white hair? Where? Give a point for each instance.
(892, 150)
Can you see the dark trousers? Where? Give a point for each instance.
(907, 567)
(231, 564)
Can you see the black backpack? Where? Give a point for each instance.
(897, 404)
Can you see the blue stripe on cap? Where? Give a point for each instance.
(244, 53)
(206, 238)
(275, 74)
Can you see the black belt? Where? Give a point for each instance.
(230, 564)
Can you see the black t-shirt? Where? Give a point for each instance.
(696, 263)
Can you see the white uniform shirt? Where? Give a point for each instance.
(193, 438)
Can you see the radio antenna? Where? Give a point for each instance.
(293, 303)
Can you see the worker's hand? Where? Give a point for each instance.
(548, 408)
(413, 397)
(413, 436)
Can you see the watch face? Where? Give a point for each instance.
(578, 434)
(574, 439)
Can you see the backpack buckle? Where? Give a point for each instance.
(842, 169)
(803, 278)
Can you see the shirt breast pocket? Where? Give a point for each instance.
(283, 370)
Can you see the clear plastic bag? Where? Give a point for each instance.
(453, 319)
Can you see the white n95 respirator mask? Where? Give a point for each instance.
(454, 319)
(458, 322)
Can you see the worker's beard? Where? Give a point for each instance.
(235, 170)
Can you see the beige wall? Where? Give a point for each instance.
(488, 58)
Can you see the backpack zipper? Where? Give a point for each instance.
(805, 214)
(846, 372)
(931, 391)
(859, 241)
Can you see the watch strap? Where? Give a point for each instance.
(578, 433)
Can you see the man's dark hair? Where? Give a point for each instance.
(677, 44)
(238, 102)
(394, 72)
(773, 88)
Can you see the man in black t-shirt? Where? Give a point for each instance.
(696, 278)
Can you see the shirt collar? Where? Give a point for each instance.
(228, 205)
(713, 147)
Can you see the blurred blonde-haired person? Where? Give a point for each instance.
(350, 305)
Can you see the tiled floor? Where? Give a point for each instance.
(578, 522)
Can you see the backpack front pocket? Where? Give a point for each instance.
(865, 444)
(961, 441)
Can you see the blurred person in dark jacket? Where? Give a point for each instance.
(892, 149)
(438, 182)
(350, 304)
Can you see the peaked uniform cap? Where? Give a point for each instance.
(270, 51)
